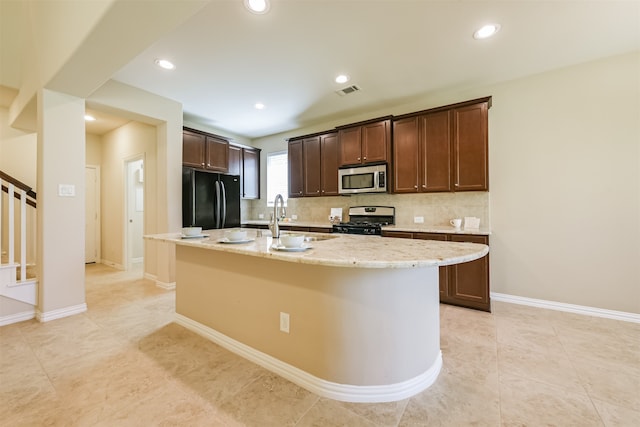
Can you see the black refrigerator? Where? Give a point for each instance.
(210, 200)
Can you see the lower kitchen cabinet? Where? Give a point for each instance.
(466, 284)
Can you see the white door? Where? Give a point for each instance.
(92, 208)
(135, 212)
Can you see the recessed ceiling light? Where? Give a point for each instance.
(257, 6)
(163, 63)
(342, 78)
(89, 118)
(486, 31)
(259, 106)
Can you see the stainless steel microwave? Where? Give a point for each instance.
(363, 179)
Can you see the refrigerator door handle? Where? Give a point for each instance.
(223, 214)
(193, 198)
(217, 206)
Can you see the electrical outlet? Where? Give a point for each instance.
(418, 219)
(260, 216)
(294, 217)
(284, 322)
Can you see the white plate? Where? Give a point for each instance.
(226, 240)
(197, 236)
(286, 249)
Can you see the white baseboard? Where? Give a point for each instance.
(571, 308)
(112, 264)
(166, 285)
(331, 390)
(18, 317)
(61, 312)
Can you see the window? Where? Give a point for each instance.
(277, 176)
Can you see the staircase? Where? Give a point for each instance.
(17, 278)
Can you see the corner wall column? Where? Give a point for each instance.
(61, 205)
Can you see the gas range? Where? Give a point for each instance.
(367, 220)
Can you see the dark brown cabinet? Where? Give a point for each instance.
(365, 143)
(471, 148)
(205, 151)
(250, 173)
(313, 166)
(466, 284)
(296, 169)
(443, 149)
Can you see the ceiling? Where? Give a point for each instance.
(396, 51)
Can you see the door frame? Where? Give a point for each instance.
(98, 222)
(126, 228)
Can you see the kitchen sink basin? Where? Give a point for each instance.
(319, 238)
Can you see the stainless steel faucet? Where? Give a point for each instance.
(277, 216)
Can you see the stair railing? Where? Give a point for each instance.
(26, 196)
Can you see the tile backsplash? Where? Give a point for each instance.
(436, 208)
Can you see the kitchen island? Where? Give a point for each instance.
(352, 318)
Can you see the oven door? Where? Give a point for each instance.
(363, 179)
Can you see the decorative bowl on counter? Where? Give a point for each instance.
(291, 240)
(191, 231)
(236, 235)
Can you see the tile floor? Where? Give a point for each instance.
(124, 363)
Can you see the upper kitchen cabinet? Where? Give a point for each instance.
(296, 177)
(471, 147)
(205, 151)
(442, 149)
(369, 142)
(235, 160)
(329, 164)
(250, 173)
(315, 159)
(422, 153)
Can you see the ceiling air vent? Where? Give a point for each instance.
(347, 90)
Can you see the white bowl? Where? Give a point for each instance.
(235, 235)
(192, 231)
(292, 240)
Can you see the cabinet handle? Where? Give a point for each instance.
(202, 164)
(415, 186)
(208, 165)
(424, 186)
(358, 158)
(365, 158)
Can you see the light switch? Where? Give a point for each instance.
(66, 190)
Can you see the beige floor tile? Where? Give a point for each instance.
(525, 402)
(270, 401)
(455, 401)
(328, 412)
(557, 370)
(124, 362)
(616, 416)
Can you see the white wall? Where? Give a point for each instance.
(564, 164)
(565, 185)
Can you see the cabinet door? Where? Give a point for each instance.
(350, 148)
(193, 147)
(470, 138)
(375, 142)
(435, 152)
(251, 173)
(329, 164)
(296, 178)
(217, 154)
(443, 272)
(469, 281)
(311, 165)
(405, 155)
(235, 161)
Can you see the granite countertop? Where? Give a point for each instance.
(413, 228)
(342, 250)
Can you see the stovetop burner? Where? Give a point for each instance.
(366, 220)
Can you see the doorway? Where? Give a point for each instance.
(134, 212)
(92, 214)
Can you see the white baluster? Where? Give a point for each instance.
(23, 235)
(12, 214)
